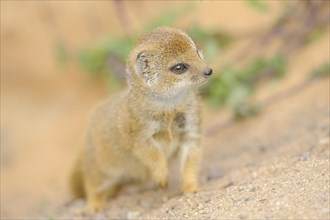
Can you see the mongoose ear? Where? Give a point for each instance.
(143, 67)
(141, 62)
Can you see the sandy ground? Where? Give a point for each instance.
(275, 165)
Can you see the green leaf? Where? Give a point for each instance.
(258, 5)
(321, 71)
(212, 49)
(61, 52)
(246, 110)
(93, 61)
(170, 16)
(278, 63)
(212, 41)
(315, 34)
(238, 95)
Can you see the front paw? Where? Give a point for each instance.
(94, 207)
(160, 177)
(190, 187)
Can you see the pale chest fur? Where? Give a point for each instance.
(167, 133)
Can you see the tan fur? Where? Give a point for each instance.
(132, 137)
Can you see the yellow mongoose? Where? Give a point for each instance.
(132, 136)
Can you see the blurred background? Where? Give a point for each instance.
(60, 58)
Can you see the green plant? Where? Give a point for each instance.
(232, 87)
(257, 4)
(210, 40)
(61, 52)
(322, 70)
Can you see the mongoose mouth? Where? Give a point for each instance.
(203, 81)
(199, 80)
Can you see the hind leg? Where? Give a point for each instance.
(113, 189)
(95, 196)
(98, 187)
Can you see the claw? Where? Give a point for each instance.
(191, 188)
(163, 184)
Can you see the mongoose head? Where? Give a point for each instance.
(168, 62)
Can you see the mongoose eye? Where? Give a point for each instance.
(179, 68)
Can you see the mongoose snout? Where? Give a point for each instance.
(208, 72)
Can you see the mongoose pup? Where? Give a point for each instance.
(133, 136)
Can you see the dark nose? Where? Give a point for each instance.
(208, 72)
